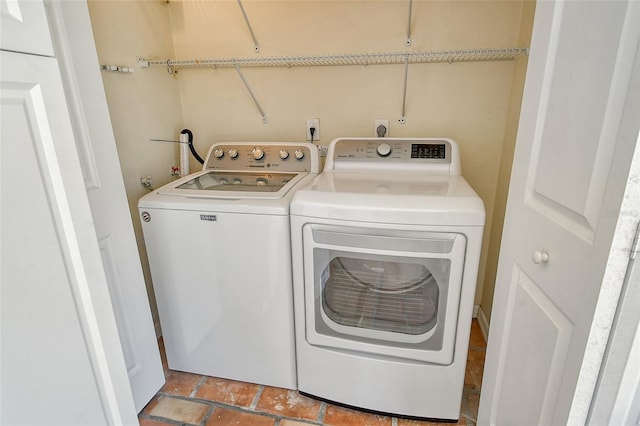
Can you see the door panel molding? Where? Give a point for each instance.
(117, 292)
(84, 142)
(587, 133)
(544, 322)
(24, 27)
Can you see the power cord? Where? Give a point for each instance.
(312, 130)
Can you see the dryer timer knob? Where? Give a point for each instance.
(233, 153)
(284, 154)
(218, 153)
(299, 154)
(384, 149)
(257, 153)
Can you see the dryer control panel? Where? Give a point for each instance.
(432, 155)
(271, 156)
(436, 150)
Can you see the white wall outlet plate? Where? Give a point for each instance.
(378, 131)
(313, 123)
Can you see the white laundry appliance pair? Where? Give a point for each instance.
(386, 245)
(219, 248)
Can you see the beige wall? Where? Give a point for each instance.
(468, 102)
(142, 105)
(502, 187)
(472, 103)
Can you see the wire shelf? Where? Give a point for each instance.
(437, 56)
(362, 59)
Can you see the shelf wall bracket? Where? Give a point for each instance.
(246, 19)
(253, 98)
(408, 39)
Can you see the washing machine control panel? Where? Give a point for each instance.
(393, 150)
(281, 157)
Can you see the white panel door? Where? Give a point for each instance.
(61, 359)
(75, 49)
(577, 134)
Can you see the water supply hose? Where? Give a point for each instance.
(191, 147)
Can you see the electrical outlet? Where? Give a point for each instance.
(380, 132)
(313, 123)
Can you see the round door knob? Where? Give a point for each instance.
(233, 153)
(539, 257)
(257, 153)
(384, 149)
(299, 154)
(284, 154)
(218, 153)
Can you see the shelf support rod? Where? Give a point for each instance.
(253, 98)
(408, 40)
(246, 19)
(404, 96)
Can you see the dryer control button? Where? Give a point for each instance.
(257, 153)
(233, 153)
(384, 149)
(218, 153)
(299, 154)
(284, 154)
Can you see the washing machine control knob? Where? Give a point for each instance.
(257, 153)
(298, 154)
(384, 149)
(218, 153)
(284, 154)
(233, 153)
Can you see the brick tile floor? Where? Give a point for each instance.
(192, 399)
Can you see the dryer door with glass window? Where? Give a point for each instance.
(382, 292)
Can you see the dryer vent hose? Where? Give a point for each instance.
(191, 147)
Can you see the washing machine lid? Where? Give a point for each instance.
(233, 185)
(398, 198)
(171, 198)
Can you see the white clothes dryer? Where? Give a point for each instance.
(219, 248)
(386, 245)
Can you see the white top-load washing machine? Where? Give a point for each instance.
(219, 248)
(386, 244)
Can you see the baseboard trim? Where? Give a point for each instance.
(483, 323)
